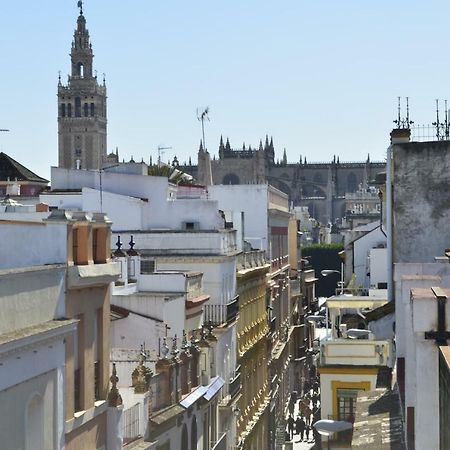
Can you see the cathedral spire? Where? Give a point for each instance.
(81, 54)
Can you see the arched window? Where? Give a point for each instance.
(69, 110)
(230, 178)
(80, 70)
(352, 182)
(77, 107)
(194, 433)
(92, 109)
(63, 110)
(34, 437)
(184, 439)
(86, 110)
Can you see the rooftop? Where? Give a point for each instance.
(378, 423)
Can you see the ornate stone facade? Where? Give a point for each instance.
(320, 186)
(81, 108)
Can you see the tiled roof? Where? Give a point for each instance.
(10, 168)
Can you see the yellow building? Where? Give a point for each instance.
(252, 328)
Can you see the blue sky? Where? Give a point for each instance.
(321, 77)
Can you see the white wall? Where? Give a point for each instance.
(32, 244)
(219, 277)
(361, 249)
(252, 199)
(326, 393)
(378, 266)
(159, 209)
(32, 296)
(154, 306)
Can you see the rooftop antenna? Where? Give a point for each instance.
(161, 153)
(446, 122)
(404, 123)
(202, 117)
(438, 124)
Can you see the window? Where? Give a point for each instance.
(78, 355)
(78, 152)
(63, 110)
(347, 404)
(86, 110)
(80, 68)
(69, 110)
(77, 107)
(92, 109)
(148, 266)
(131, 269)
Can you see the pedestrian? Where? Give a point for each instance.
(291, 407)
(291, 426)
(300, 427)
(307, 429)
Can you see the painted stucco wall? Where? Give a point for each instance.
(421, 180)
(362, 248)
(219, 275)
(32, 244)
(253, 201)
(31, 296)
(326, 391)
(15, 431)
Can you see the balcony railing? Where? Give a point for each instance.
(278, 263)
(254, 258)
(220, 314)
(235, 385)
(221, 444)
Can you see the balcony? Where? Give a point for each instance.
(279, 263)
(221, 444)
(252, 259)
(222, 314)
(235, 385)
(355, 352)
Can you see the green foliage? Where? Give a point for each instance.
(175, 175)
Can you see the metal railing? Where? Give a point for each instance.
(221, 443)
(131, 424)
(235, 385)
(219, 314)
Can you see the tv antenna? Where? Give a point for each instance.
(161, 152)
(442, 128)
(403, 122)
(202, 117)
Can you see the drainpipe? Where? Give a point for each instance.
(389, 230)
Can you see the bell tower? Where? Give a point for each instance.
(81, 107)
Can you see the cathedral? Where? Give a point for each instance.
(82, 108)
(321, 186)
(82, 136)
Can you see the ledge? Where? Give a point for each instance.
(92, 275)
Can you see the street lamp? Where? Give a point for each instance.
(327, 272)
(327, 427)
(355, 333)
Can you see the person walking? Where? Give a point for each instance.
(300, 427)
(291, 426)
(307, 429)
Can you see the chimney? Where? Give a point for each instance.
(400, 135)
